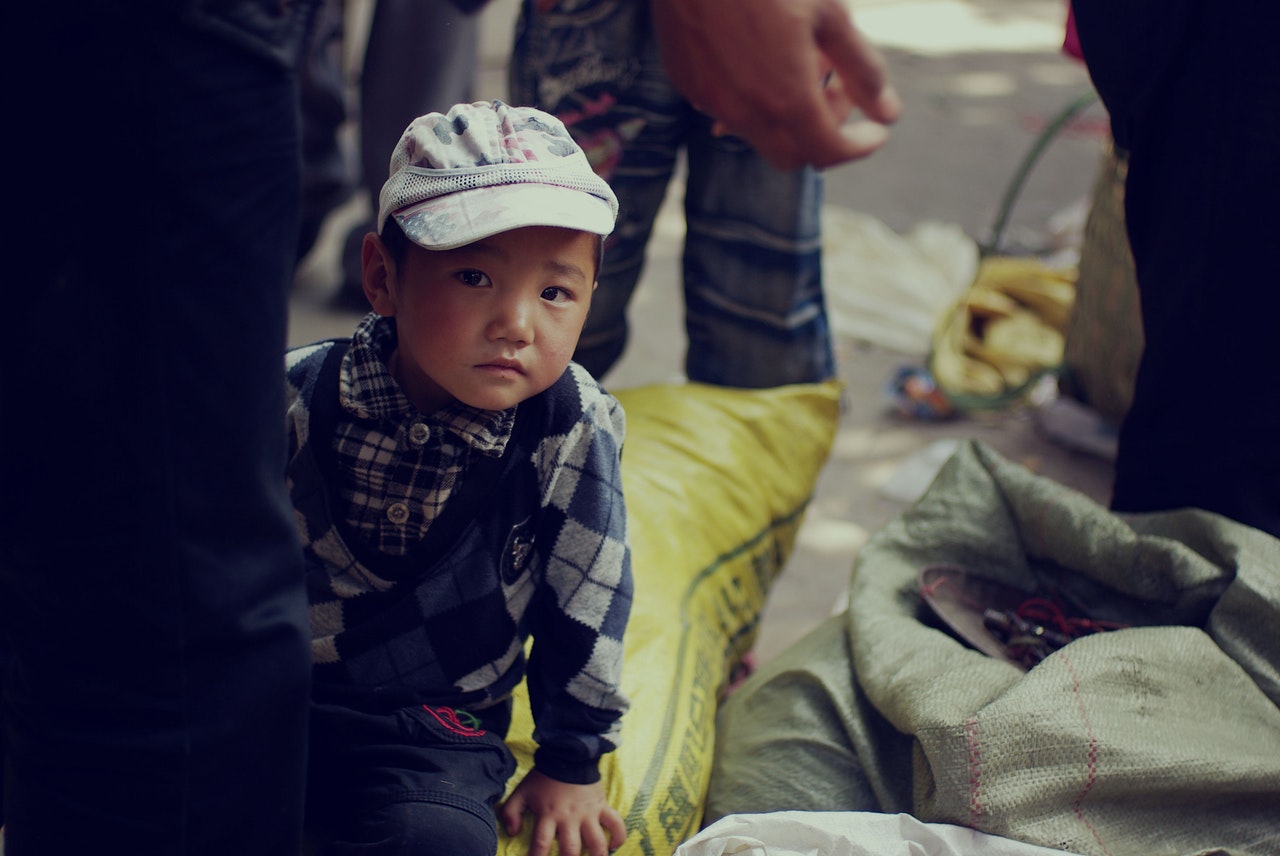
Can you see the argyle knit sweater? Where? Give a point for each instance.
(531, 543)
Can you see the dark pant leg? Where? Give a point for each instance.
(151, 600)
(1193, 88)
(421, 57)
(596, 67)
(328, 170)
(634, 143)
(412, 782)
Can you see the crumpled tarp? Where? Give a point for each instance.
(1162, 738)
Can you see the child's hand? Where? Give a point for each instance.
(576, 815)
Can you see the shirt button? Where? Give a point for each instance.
(419, 433)
(398, 513)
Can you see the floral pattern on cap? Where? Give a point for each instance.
(487, 167)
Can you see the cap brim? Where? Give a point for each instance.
(464, 217)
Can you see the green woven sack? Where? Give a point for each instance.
(1161, 738)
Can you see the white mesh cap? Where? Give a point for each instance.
(486, 168)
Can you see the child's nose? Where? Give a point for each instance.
(513, 320)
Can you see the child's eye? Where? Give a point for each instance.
(474, 278)
(556, 294)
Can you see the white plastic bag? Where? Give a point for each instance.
(847, 833)
(890, 289)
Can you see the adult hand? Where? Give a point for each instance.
(784, 75)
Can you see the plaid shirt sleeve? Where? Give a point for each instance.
(576, 663)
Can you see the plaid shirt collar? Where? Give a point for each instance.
(369, 392)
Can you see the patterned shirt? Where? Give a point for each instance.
(530, 541)
(398, 468)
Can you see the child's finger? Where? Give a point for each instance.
(511, 813)
(570, 840)
(617, 829)
(594, 840)
(544, 832)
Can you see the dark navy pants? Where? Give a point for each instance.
(1193, 89)
(153, 624)
(417, 780)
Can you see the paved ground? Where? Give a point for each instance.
(979, 79)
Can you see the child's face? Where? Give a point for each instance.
(489, 324)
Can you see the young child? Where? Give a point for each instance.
(456, 482)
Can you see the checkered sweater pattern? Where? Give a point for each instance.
(531, 543)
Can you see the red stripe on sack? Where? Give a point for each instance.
(975, 770)
(1091, 778)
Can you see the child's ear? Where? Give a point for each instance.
(378, 272)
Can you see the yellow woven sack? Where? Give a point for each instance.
(716, 481)
(1005, 332)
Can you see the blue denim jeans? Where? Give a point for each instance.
(754, 308)
(154, 657)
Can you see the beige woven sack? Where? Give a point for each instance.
(1104, 339)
